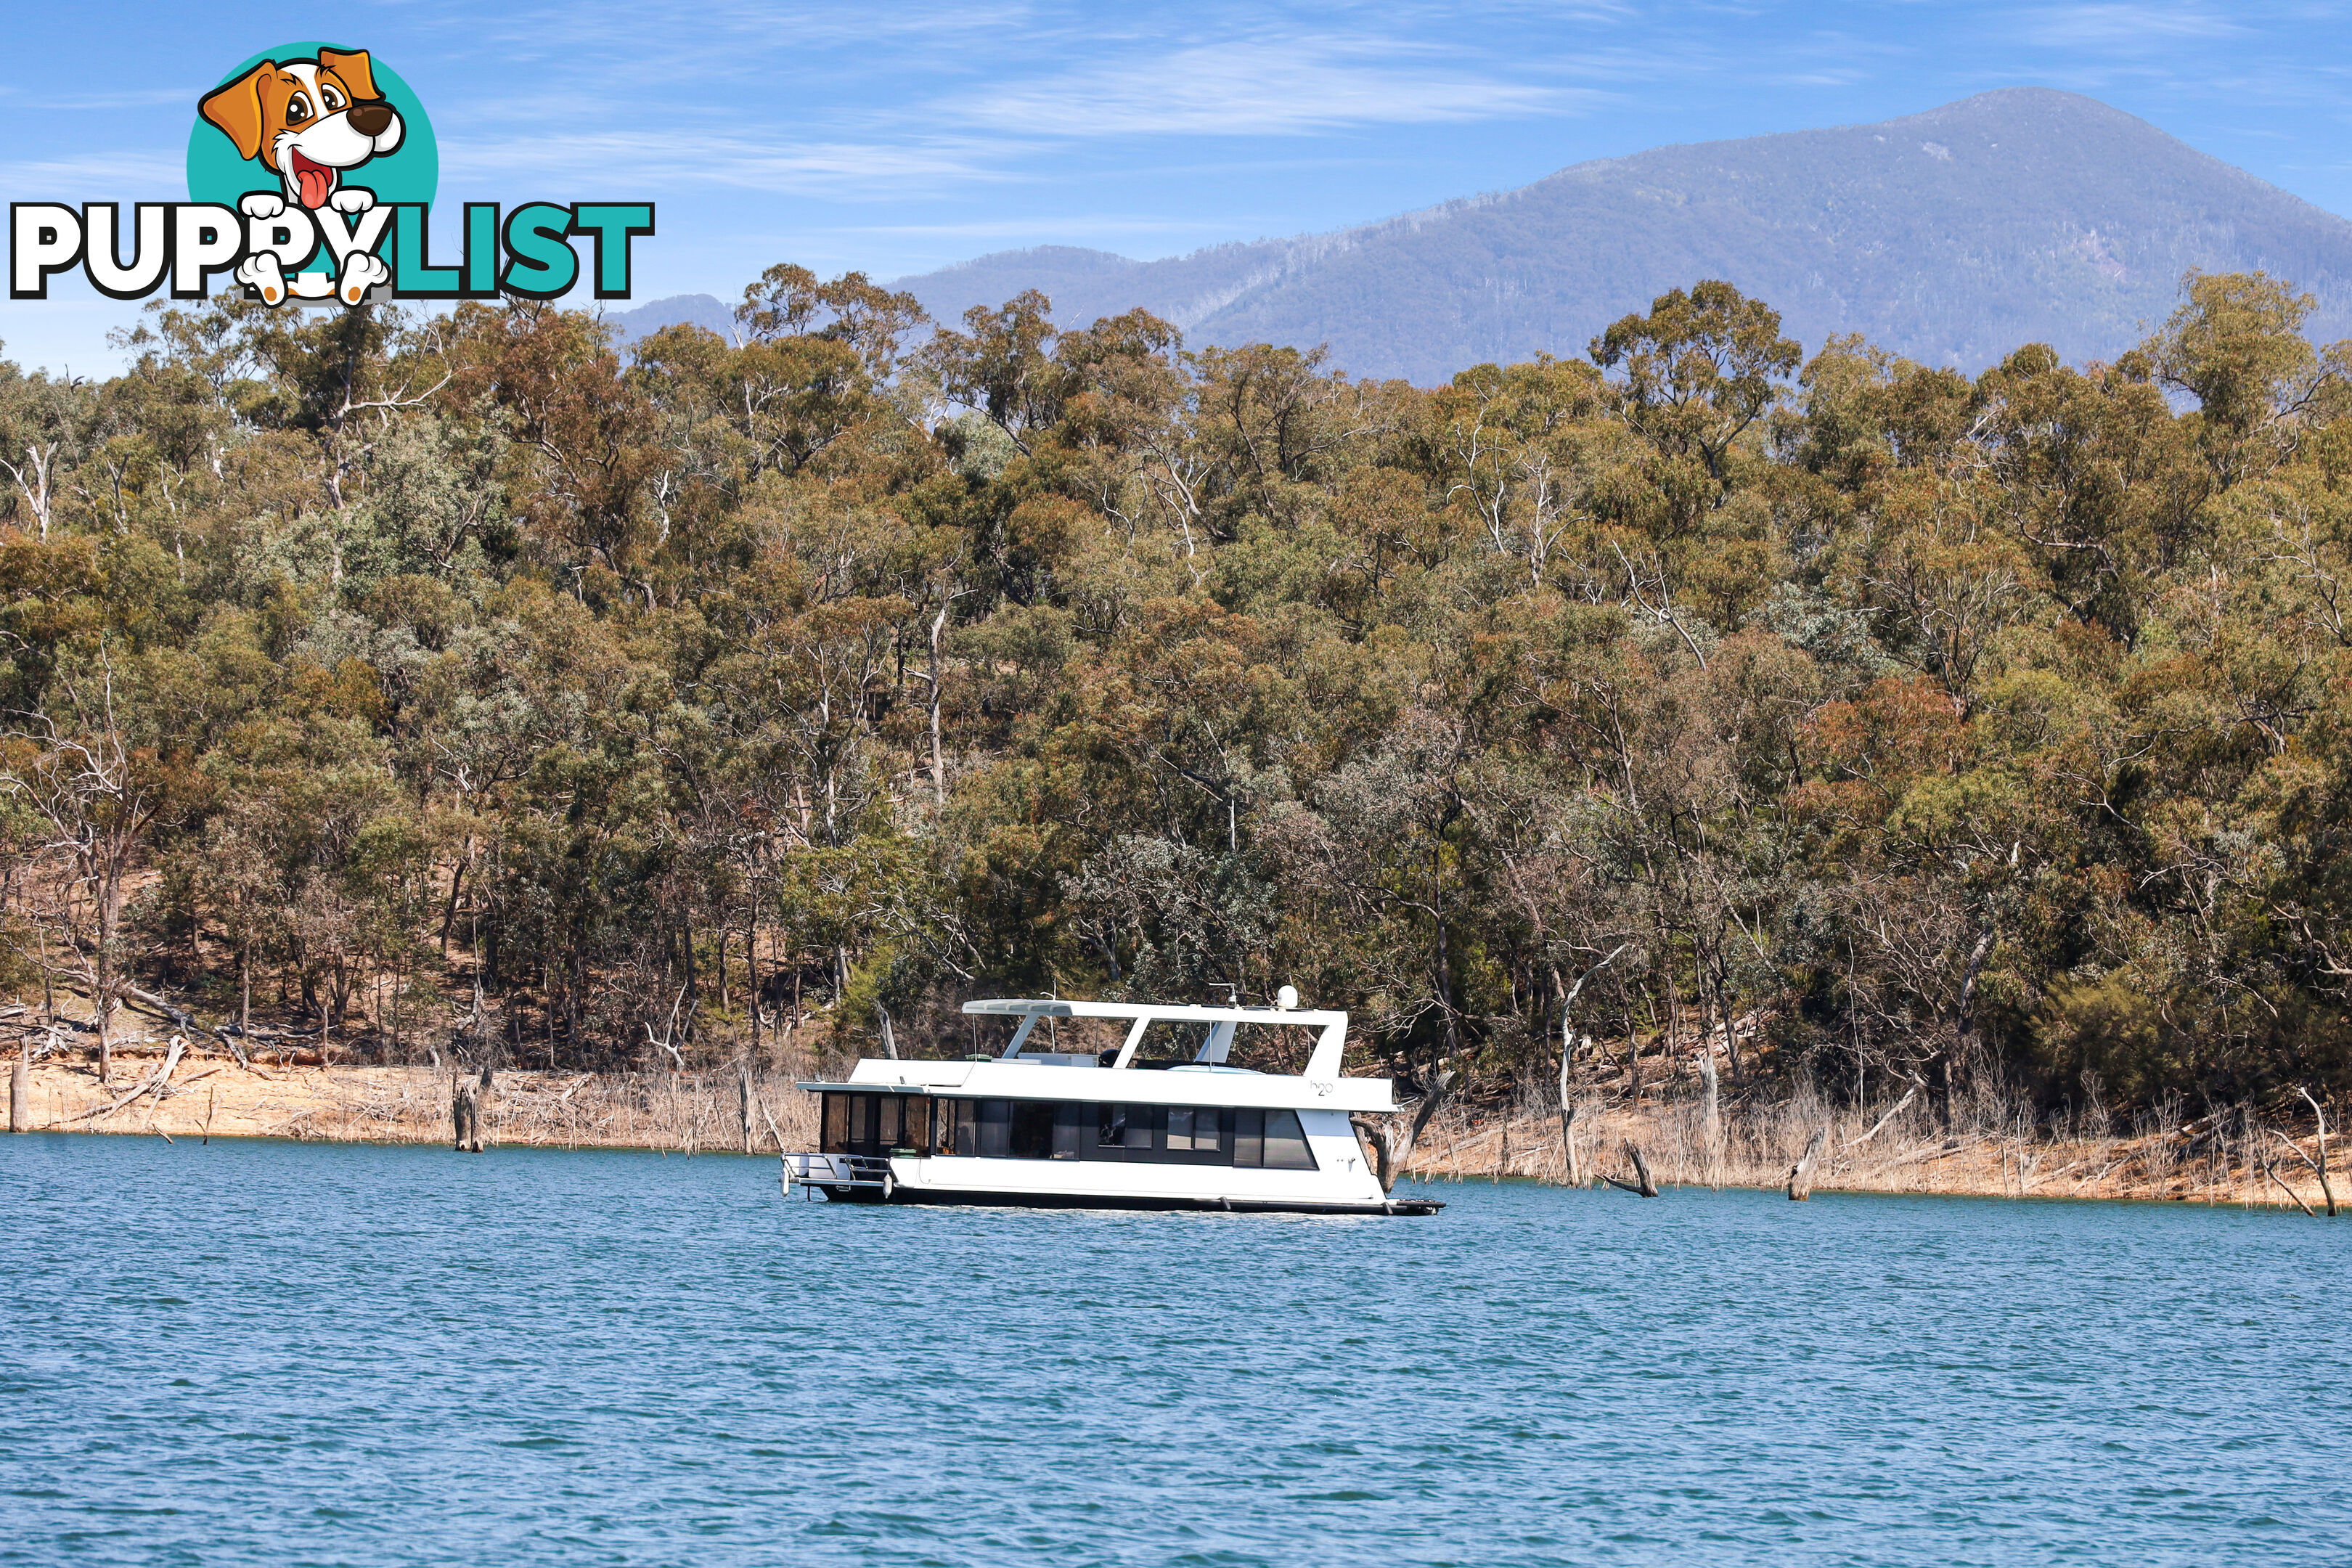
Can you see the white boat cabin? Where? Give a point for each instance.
(1164, 1119)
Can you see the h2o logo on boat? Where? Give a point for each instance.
(311, 173)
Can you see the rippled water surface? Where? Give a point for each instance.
(284, 1354)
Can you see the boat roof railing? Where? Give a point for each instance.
(1331, 1040)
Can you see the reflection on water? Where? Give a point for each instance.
(275, 1353)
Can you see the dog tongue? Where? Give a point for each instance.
(315, 180)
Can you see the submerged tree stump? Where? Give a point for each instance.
(469, 1112)
(1800, 1174)
(1643, 1184)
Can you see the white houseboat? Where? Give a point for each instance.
(1082, 1130)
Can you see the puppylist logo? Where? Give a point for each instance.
(311, 173)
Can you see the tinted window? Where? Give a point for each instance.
(1032, 1129)
(1073, 1121)
(837, 1125)
(996, 1129)
(1211, 1134)
(1110, 1126)
(1249, 1137)
(1286, 1142)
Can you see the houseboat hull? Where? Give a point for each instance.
(976, 1198)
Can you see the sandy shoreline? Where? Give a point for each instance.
(212, 1094)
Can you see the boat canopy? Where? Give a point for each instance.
(1331, 1040)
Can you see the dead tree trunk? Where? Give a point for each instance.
(469, 1111)
(743, 1094)
(1800, 1174)
(1573, 1161)
(1390, 1150)
(1641, 1185)
(20, 1078)
(1573, 1158)
(1709, 1117)
(2325, 1190)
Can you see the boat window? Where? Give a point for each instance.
(1200, 1128)
(995, 1129)
(875, 1123)
(1083, 1130)
(1032, 1129)
(1071, 1121)
(1286, 1142)
(1249, 1138)
(1211, 1134)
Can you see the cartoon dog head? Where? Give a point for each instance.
(307, 120)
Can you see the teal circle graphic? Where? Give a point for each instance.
(409, 173)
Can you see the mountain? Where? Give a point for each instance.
(702, 310)
(1951, 237)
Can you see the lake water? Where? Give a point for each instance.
(272, 1353)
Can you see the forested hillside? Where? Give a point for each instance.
(454, 685)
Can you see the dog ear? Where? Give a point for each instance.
(236, 108)
(354, 68)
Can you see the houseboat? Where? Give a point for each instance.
(1137, 1127)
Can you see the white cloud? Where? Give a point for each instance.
(736, 162)
(2125, 28)
(80, 177)
(1252, 88)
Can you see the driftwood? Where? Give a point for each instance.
(2272, 1171)
(1800, 1174)
(1880, 1125)
(2318, 1166)
(1641, 1185)
(1957, 1146)
(178, 1017)
(153, 1082)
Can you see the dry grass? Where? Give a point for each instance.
(1991, 1151)
(213, 1096)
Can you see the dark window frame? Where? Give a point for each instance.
(1066, 1129)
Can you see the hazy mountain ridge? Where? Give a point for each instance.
(1952, 237)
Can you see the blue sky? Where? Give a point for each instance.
(899, 137)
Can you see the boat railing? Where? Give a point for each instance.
(838, 1171)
